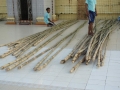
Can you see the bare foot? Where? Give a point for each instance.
(89, 33)
(92, 34)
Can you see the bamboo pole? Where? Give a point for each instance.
(21, 41)
(52, 57)
(29, 61)
(77, 65)
(107, 36)
(79, 51)
(27, 56)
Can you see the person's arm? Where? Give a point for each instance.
(49, 19)
(87, 11)
(96, 11)
(95, 8)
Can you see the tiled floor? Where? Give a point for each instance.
(57, 76)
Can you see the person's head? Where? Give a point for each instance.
(48, 10)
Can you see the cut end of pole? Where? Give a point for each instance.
(2, 68)
(62, 61)
(71, 56)
(87, 63)
(7, 69)
(35, 69)
(72, 70)
(19, 67)
(1, 56)
(73, 61)
(93, 59)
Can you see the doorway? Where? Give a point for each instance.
(24, 9)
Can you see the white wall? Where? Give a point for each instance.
(34, 10)
(10, 9)
(16, 10)
(38, 8)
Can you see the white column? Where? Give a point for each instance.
(40, 8)
(10, 8)
(34, 10)
(16, 10)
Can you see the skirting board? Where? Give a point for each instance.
(10, 23)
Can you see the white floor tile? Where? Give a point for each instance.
(115, 54)
(63, 79)
(96, 82)
(17, 75)
(83, 72)
(95, 87)
(28, 88)
(114, 64)
(113, 74)
(113, 68)
(27, 80)
(112, 83)
(114, 58)
(32, 76)
(116, 79)
(81, 76)
(113, 71)
(60, 84)
(13, 79)
(108, 87)
(95, 77)
(99, 73)
(101, 69)
(2, 77)
(43, 82)
(46, 77)
(77, 85)
(51, 73)
(108, 53)
(78, 80)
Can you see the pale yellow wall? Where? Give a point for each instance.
(68, 10)
(107, 9)
(3, 8)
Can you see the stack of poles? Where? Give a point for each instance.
(92, 48)
(19, 47)
(43, 63)
(22, 59)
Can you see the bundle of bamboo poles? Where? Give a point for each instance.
(19, 47)
(44, 62)
(45, 33)
(92, 48)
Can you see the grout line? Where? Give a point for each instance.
(90, 75)
(107, 70)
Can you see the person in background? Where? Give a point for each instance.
(47, 18)
(91, 13)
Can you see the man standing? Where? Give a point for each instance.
(91, 13)
(47, 18)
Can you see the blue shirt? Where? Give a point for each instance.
(91, 5)
(46, 16)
